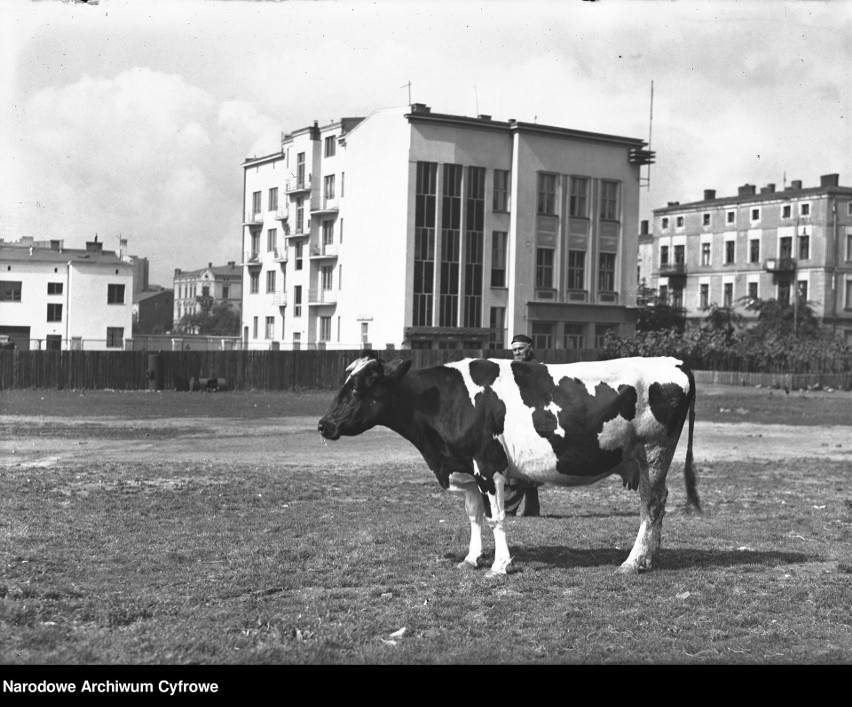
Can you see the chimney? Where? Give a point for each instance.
(770, 188)
(177, 271)
(420, 108)
(232, 263)
(56, 245)
(210, 266)
(709, 194)
(745, 190)
(829, 180)
(315, 131)
(483, 116)
(674, 203)
(94, 246)
(122, 248)
(643, 228)
(795, 184)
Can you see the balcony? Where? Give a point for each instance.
(279, 299)
(297, 232)
(296, 185)
(282, 214)
(326, 250)
(324, 205)
(253, 218)
(279, 255)
(251, 257)
(320, 296)
(672, 269)
(779, 265)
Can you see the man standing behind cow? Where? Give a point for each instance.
(516, 489)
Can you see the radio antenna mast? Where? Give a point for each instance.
(650, 131)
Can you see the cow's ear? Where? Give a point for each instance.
(397, 369)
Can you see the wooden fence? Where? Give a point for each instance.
(287, 370)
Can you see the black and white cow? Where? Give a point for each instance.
(478, 421)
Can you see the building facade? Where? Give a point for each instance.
(153, 311)
(207, 287)
(415, 229)
(52, 297)
(766, 244)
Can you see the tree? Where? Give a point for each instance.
(655, 313)
(779, 319)
(723, 320)
(211, 319)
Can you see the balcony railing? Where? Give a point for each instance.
(253, 218)
(322, 203)
(326, 250)
(279, 299)
(282, 214)
(669, 269)
(280, 255)
(296, 185)
(608, 297)
(321, 296)
(251, 257)
(779, 265)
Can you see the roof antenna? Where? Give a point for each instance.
(409, 90)
(476, 93)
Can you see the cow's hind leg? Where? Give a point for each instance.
(475, 511)
(502, 558)
(653, 466)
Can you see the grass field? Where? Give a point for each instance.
(179, 528)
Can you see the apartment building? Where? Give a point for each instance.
(767, 244)
(194, 289)
(414, 229)
(52, 297)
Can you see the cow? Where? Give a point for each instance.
(477, 422)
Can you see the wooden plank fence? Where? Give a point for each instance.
(292, 370)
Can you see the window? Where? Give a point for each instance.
(330, 145)
(606, 272)
(755, 214)
(664, 293)
(664, 255)
(226, 291)
(328, 186)
(254, 328)
(664, 223)
(424, 243)
(849, 245)
(498, 327)
(784, 293)
(54, 288)
(326, 275)
(300, 170)
(704, 297)
(255, 203)
(270, 328)
(804, 247)
(500, 199)
(786, 211)
(601, 330)
(54, 312)
(297, 301)
(300, 248)
(10, 291)
(342, 185)
(609, 200)
(576, 270)
(451, 200)
(573, 336)
(325, 329)
(271, 240)
(365, 333)
(327, 234)
(546, 193)
(785, 247)
(542, 335)
(273, 199)
(205, 291)
(730, 217)
(754, 250)
(730, 251)
(270, 281)
(728, 294)
(848, 294)
(254, 283)
(300, 215)
(679, 254)
(752, 290)
(544, 268)
(115, 294)
(705, 219)
(805, 209)
(498, 258)
(679, 222)
(705, 254)
(802, 292)
(114, 337)
(578, 200)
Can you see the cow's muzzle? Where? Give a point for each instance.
(328, 429)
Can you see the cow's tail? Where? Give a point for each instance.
(688, 467)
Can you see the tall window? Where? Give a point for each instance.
(424, 243)
(254, 283)
(785, 247)
(499, 241)
(705, 254)
(473, 246)
(574, 336)
(752, 290)
(578, 202)
(255, 243)
(300, 215)
(271, 240)
(330, 146)
(114, 337)
(576, 269)
(255, 203)
(365, 333)
(730, 249)
(450, 246)
(805, 209)
(254, 327)
(730, 217)
(270, 281)
(544, 268)
(705, 219)
(802, 292)
(546, 193)
(325, 328)
(273, 199)
(115, 294)
(497, 322)
(326, 277)
(804, 247)
(297, 301)
(664, 255)
(609, 200)
(327, 233)
(679, 254)
(754, 250)
(606, 272)
(299, 255)
(704, 297)
(728, 295)
(542, 335)
(54, 312)
(784, 293)
(328, 186)
(300, 170)
(500, 201)
(270, 328)
(786, 211)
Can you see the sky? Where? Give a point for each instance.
(132, 118)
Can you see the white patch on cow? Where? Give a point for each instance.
(617, 433)
(555, 410)
(358, 365)
(473, 389)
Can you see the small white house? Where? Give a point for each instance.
(52, 297)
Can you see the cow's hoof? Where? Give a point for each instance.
(628, 570)
(467, 565)
(491, 574)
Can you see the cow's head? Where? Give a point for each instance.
(367, 397)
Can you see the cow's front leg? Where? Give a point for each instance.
(497, 523)
(475, 511)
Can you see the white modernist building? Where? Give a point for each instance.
(52, 297)
(412, 229)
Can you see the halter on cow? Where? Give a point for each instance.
(478, 421)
